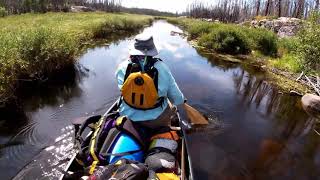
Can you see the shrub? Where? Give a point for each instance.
(289, 44)
(263, 40)
(226, 39)
(3, 12)
(200, 29)
(309, 43)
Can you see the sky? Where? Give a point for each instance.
(162, 5)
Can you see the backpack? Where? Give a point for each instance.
(95, 148)
(140, 88)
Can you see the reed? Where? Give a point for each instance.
(35, 46)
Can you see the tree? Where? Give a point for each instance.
(258, 7)
(300, 8)
(267, 8)
(279, 7)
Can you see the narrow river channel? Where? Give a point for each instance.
(255, 131)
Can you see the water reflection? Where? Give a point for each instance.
(50, 162)
(270, 137)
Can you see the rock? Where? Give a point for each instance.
(80, 9)
(311, 104)
(206, 19)
(283, 26)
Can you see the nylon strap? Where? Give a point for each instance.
(93, 139)
(93, 167)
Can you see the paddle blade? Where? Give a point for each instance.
(79, 120)
(195, 116)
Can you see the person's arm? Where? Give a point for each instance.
(120, 73)
(174, 93)
(176, 97)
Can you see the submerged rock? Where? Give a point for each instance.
(311, 104)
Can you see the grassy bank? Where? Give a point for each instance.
(259, 47)
(229, 38)
(35, 46)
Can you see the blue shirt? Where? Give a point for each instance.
(167, 87)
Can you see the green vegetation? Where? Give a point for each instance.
(3, 12)
(295, 54)
(263, 41)
(309, 43)
(225, 40)
(287, 62)
(301, 53)
(286, 59)
(230, 38)
(35, 46)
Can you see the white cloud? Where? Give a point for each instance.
(163, 5)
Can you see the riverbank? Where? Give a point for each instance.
(34, 48)
(251, 46)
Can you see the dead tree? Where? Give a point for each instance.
(258, 7)
(268, 3)
(300, 8)
(279, 7)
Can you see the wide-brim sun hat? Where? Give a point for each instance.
(143, 45)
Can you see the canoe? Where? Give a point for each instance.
(184, 162)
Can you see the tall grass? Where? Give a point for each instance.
(35, 46)
(230, 38)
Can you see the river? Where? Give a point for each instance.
(255, 131)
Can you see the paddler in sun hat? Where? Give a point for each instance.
(146, 85)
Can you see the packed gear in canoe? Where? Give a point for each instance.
(115, 147)
(101, 146)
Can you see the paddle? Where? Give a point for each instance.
(79, 120)
(195, 116)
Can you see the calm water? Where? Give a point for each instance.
(255, 131)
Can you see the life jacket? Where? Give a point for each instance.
(140, 88)
(95, 148)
